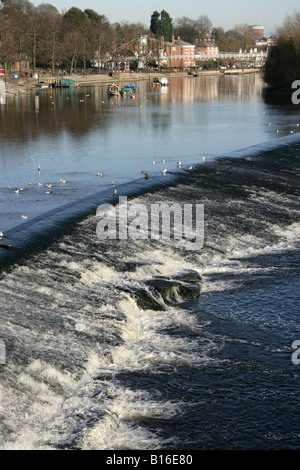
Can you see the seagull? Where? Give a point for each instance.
(40, 184)
(115, 191)
(153, 162)
(100, 175)
(9, 187)
(179, 164)
(39, 168)
(1, 235)
(48, 192)
(48, 186)
(203, 158)
(17, 191)
(24, 217)
(190, 167)
(113, 183)
(164, 172)
(62, 181)
(22, 189)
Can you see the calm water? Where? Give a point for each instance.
(97, 356)
(74, 134)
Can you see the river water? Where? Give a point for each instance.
(98, 356)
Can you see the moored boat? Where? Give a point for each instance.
(129, 90)
(113, 89)
(159, 81)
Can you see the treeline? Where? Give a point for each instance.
(283, 64)
(47, 38)
(44, 37)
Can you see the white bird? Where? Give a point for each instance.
(1, 235)
(153, 162)
(9, 187)
(48, 192)
(17, 191)
(30, 184)
(164, 171)
(115, 191)
(113, 183)
(190, 167)
(22, 189)
(203, 158)
(48, 186)
(179, 164)
(100, 175)
(40, 184)
(24, 217)
(39, 168)
(62, 181)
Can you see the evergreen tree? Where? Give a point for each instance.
(161, 24)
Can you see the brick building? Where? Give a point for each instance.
(179, 53)
(206, 47)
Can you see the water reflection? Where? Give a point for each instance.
(2, 92)
(72, 110)
(77, 132)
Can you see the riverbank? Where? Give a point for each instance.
(16, 86)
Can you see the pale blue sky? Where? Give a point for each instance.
(227, 14)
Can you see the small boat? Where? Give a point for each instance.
(159, 81)
(129, 90)
(63, 83)
(113, 89)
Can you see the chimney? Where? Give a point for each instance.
(162, 41)
(178, 38)
(173, 39)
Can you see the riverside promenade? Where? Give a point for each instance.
(15, 86)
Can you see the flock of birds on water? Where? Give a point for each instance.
(99, 175)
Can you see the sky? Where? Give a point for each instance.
(225, 13)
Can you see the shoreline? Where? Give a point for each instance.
(26, 85)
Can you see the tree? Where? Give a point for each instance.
(187, 29)
(51, 41)
(17, 14)
(100, 35)
(283, 63)
(204, 26)
(161, 24)
(78, 28)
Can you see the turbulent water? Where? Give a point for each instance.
(99, 356)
